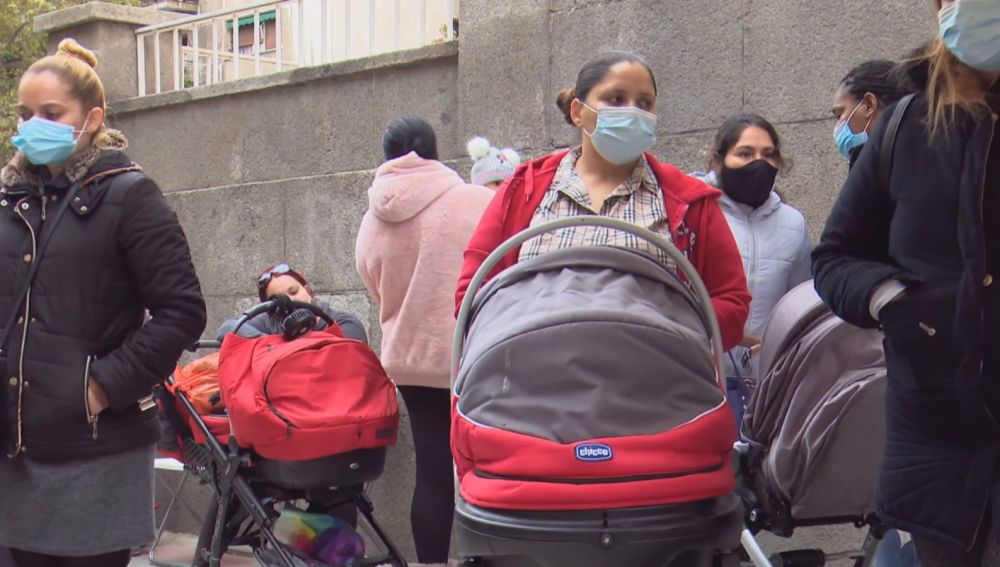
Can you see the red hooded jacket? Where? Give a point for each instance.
(697, 226)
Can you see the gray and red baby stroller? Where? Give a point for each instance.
(309, 417)
(589, 423)
(813, 431)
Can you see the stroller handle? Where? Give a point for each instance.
(685, 267)
(281, 303)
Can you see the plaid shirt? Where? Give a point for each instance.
(638, 200)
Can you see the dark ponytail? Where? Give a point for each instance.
(409, 134)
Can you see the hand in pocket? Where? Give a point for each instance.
(97, 400)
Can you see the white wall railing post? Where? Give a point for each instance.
(256, 43)
(214, 72)
(178, 64)
(156, 63)
(278, 38)
(236, 46)
(371, 27)
(347, 29)
(140, 45)
(197, 56)
(423, 23)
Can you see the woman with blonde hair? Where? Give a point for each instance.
(913, 245)
(88, 245)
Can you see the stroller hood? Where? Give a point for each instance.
(587, 381)
(605, 342)
(817, 410)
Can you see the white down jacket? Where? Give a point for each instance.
(775, 246)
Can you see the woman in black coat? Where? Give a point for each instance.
(77, 429)
(919, 255)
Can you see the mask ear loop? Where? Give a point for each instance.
(869, 123)
(596, 113)
(83, 130)
(851, 115)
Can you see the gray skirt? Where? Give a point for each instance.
(77, 508)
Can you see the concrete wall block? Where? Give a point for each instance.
(233, 232)
(795, 55)
(359, 304)
(817, 173)
(190, 146)
(688, 152)
(309, 129)
(503, 72)
(428, 90)
(323, 215)
(694, 48)
(116, 54)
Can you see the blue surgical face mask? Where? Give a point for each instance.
(45, 142)
(971, 30)
(847, 140)
(622, 134)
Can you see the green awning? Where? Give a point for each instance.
(248, 20)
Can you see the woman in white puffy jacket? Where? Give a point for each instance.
(772, 236)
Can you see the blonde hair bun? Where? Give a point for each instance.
(71, 48)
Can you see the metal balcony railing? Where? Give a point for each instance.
(269, 36)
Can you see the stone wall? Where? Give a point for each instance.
(276, 168)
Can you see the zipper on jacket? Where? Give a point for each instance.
(982, 318)
(18, 440)
(752, 264)
(91, 417)
(586, 481)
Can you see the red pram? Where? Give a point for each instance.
(313, 417)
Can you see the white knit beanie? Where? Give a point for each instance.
(491, 165)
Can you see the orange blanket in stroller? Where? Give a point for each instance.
(199, 382)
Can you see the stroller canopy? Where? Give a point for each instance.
(588, 373)
(817, 410)
(586, 343)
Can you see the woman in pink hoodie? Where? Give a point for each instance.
(409, 253)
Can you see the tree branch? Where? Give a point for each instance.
(13, 36)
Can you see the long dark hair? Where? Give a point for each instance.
(409, 134)
(592, 73)
(731, 130)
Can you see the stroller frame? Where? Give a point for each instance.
(241, 516)
(767, 512)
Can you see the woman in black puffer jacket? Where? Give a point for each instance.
(920, 256)
(75, 423)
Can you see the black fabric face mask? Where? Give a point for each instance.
(750, 184)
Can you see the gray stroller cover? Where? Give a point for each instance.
(588, 381)
(817, 410)
(542, 349)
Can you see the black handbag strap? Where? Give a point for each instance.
(25, 284)
(887, 149)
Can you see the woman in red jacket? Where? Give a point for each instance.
(614, 105)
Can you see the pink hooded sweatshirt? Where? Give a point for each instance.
(409, 253)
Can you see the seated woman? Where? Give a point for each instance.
(281, 279)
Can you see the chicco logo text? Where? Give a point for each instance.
(594, 452)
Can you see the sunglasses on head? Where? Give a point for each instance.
(265, 278)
